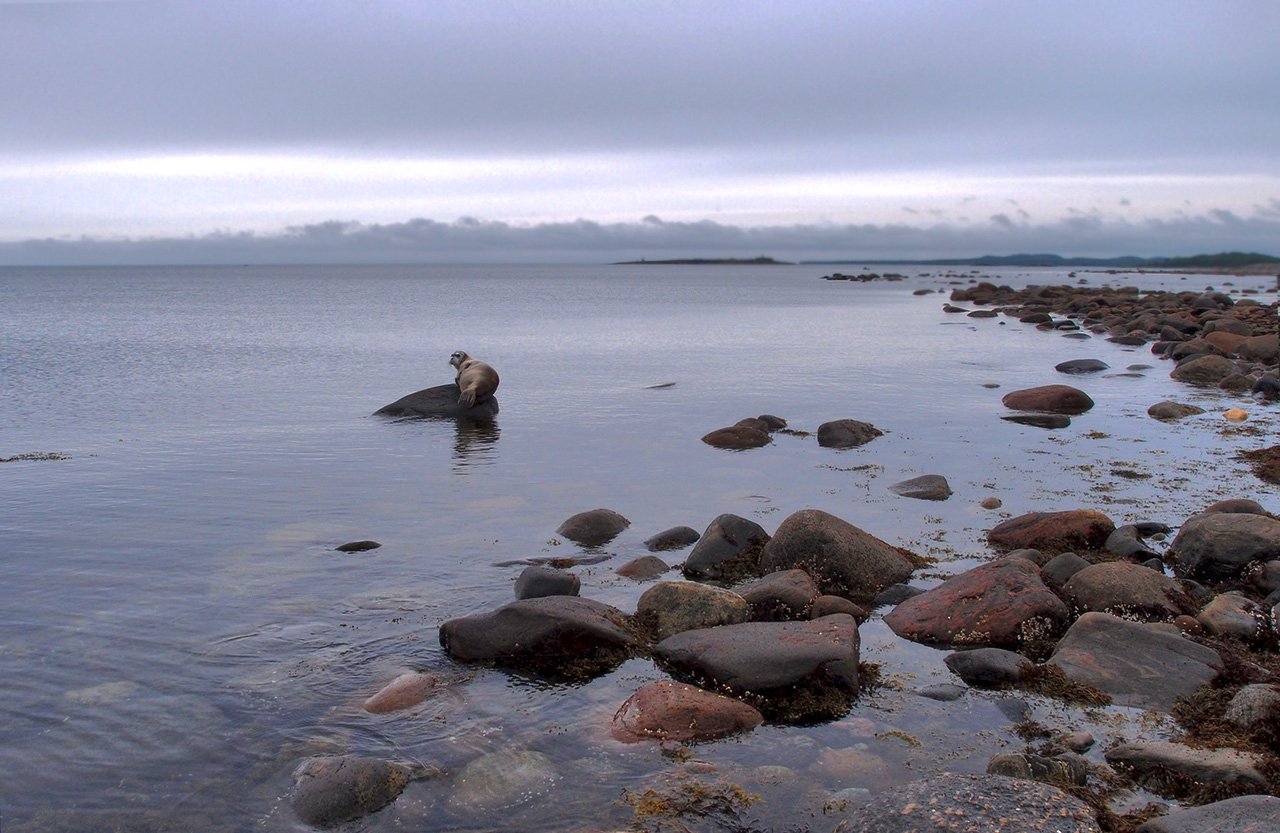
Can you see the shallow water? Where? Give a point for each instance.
(178, 633)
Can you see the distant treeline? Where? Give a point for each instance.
(1224, 260)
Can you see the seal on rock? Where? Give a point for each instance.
(475, 379)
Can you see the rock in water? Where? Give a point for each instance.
(843, 559)
(1053, 532)
(538, 580)
(506, 778)
(1049, 399)
(329, 791)
(924, 487)
(846, 433)
(1245, 814)
(440, 402)
(729, 548)
(1078, 366)
(593, 528)
(675, 538)
(972, 804)
(405, 691)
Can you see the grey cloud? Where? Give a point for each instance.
(585, 241)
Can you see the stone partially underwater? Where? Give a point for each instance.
(440, 402)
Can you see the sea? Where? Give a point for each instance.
(184, 448)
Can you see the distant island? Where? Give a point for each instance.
(1224, 260)
(707, 261)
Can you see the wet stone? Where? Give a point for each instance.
(728, 549)
(1243, 814)
(671, 711)
(644, 568)
(846, 433)
(358, 546)
(329, 791)
(987, 667)
(675, 538)
(593, 528)
(924, 487)
(537, 581)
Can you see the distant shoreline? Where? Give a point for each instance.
(706, 261)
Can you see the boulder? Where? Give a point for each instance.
(671, 711)
(1128, 590)
(973, 804)
(329, 791)
(675, 538)
(924, 487)
(1053, 532)
(728, 549)
(1205, 371)
(559, 634)
(781, 596)
(988, 667)
(998, 604)
(1076, 367)
(1126, 542)
(538, 580)
(593, 528)
(737, 438)
(1220, 545)
(1243, 814)
(1231, 614)
(1263, 349)
(794, 670)
(1169, 410)
(1154, 759)
(1049, 399)
(1236, 505)
(826, 605)
(1138, 665)
(846, 433)
(843, 559)
(644, 568)
(672, 607)
(440, 402)
(1254, 707)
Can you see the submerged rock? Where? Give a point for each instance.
(502, 779)
(440, 402)
(1049, 422)
(329, 791)
(671, 711)
(973, 804)
(404, 692)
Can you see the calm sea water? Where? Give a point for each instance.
(178, 631)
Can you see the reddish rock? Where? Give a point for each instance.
(1049, 399)
(405, 691)
(997, 604)
(1053, 532)
(1260, 349)
(1225, 341)
(737, 438)
(674, 711)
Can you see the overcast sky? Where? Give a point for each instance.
(438, 131)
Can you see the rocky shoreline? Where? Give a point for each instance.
(763, 629)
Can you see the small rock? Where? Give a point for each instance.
(1253, 706)
(781, 596)
(924, 487)
(1068, 769)
(943, 692)
(846, 433)
(1047, 421)
(1079, 366)
(1059, 570)
(672, 607)
(987, 667)
(826, 605)
(1053, 532)
(991, 503)
(671, 711)
(1235, 415)
(506, 778)
(1229, 767)
(329, 791)
(895, 594)
(737, 438)
(358, 546)
(1169, 410)
(1231, 614)
(728, 549)
(537, 581)
(593, 528)
(1205, 371)
(644, 568)
(1243, 814)
(1129, 590)
(675, 538)
(1052, 399)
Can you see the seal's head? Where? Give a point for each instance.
(458, 358)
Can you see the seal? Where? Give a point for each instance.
(475, 379)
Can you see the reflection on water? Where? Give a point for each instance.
(475, 443)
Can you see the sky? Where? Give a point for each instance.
(556, 130)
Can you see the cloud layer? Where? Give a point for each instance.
(470, 240)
